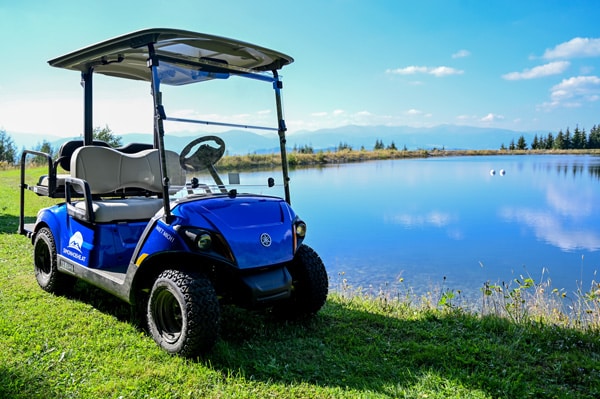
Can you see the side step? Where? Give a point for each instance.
(27, 230)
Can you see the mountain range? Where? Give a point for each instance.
(240, 142)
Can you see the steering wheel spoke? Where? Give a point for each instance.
(205, 155)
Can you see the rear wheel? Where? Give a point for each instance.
(183, 313)
(46, 264)
(310, 285)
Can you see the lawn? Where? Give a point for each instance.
(89, 345)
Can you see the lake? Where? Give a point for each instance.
(451, 223)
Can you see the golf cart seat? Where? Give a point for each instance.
(65, 153)
(104, 176)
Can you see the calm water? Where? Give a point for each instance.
(428, 219)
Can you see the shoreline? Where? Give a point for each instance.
(321, 158)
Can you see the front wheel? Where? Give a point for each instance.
(183, 313)
(46, 264)
(310, 285)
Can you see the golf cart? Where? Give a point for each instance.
(138, 222)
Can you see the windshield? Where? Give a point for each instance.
(225, 135)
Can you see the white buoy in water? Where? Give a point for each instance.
(492, 172)
(502, 172)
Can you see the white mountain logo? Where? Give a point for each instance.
(76, 241)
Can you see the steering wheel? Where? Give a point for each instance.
(205, 156)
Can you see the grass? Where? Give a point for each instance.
(87, 345)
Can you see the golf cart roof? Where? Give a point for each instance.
(127, 56)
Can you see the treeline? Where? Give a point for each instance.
(578, 140)
(343, 146)
(9, 155)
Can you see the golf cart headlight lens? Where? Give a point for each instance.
(199, 239)
(301, 229)
(204, 241)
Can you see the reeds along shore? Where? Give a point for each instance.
(254, 161)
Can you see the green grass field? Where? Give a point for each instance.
(88, 345)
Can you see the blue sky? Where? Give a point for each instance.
(521, 65)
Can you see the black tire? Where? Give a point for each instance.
(183, 313)
(46, 264)
(310, 285)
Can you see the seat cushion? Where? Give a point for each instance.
(112, 210)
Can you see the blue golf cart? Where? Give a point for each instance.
(143, 223)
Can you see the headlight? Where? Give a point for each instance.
(204, 242)
(301, 229)
(200, 239)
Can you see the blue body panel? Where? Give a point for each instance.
(243, 220)
(102, 246)
(162, 238)
(257, 229)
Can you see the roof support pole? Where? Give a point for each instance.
(277, 86)
(88, 116)
(159, 130)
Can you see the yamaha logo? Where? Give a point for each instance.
(265, 240)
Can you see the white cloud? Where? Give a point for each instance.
(461, 54)
(491, 118)
(319, 114)
(409, 70)
(438, 71)
(338, 112)
(552, 68)
(414, 112)
(574, 91)
(444, 71)
(577, 47)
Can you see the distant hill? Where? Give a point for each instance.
(241, 142)
(450, 137)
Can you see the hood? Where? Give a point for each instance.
(257, 229)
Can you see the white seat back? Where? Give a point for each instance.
(107, 170)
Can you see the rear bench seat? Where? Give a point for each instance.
(107, 170)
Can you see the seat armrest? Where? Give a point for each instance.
(82, 186)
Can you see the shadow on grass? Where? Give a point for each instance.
(13, 381)
(104, 302)
(348, 348)
(9, 224)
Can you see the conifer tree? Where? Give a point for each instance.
(550, 141)
(559, 142)
(8, 150)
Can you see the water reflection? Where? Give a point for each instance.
(436, 218)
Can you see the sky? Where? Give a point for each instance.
(524, 65)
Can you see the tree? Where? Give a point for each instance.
(306, 149)
(550, 141)
(535, 144)
(594, 137)
(106, 135)
(8, 150)
(392, 147)
(46, 148)
(559, 141)
(579, 138)
(378, 145)
(568, 140)
(343, 146)
(521, 143)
